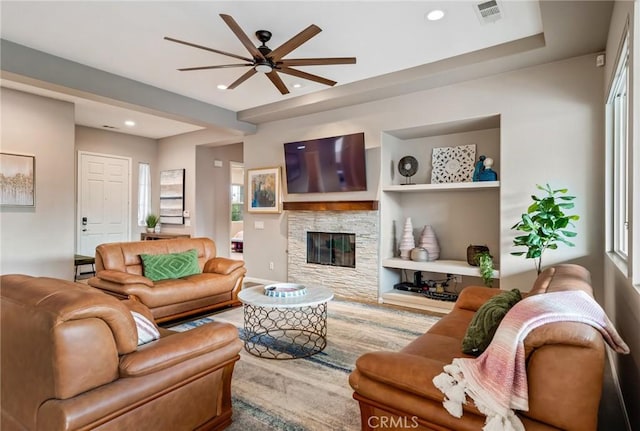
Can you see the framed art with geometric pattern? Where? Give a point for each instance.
(453, 164)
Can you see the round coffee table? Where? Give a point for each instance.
(285, 327)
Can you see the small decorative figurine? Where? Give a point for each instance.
(488, 174)
(408, 242)
(483, 170)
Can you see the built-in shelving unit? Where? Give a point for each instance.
(460, 213)
(416, 188)
(444, 266)
(415, 300)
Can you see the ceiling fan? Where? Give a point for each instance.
(270, 62)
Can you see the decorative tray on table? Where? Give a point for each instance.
(285, 290)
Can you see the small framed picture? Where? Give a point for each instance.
(18, 177)
(263, 190)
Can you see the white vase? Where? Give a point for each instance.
(429, 241)
(407, 242)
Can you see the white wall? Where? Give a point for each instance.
(179, 152)
(40, 241)
(213, 191)
(139, 149)
(551, 131)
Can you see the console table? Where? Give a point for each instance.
(146, 236)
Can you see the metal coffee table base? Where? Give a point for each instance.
(285, 333)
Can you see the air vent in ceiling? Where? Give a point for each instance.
(488, 11)
(106, 126)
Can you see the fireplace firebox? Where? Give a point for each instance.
(328, 248)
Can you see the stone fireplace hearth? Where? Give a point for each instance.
(359, 283)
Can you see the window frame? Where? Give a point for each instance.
(144, 193)
(619, 98)
(620, 173)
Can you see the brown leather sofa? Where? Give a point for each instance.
(565, 365)
(119, 272)
(70, 361)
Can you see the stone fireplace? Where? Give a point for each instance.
(339, 232)
(329, 248)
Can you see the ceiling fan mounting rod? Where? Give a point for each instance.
(263, 36)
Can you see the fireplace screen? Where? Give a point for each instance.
(337, 249)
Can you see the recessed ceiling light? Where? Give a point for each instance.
(435, 15)
(129, 123)
(297, 85)
(222, 87)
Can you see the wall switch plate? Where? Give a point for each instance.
(217, 163)
(258, 224)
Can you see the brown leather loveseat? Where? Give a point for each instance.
(564, 366)
(119, 272)
(71, 361)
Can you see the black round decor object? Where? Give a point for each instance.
(408, 166)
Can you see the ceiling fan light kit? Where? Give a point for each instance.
(267, 61)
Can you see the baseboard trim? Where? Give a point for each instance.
(259, 280)
(616, 383)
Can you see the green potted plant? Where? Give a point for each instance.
(545, 224)
(485, 262)
(152, 220)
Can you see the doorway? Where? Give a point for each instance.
(237, 210)
(104, 196)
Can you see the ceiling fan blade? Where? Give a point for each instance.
(239, 57)
(317, 61)
(295, 42)
(222, 66)
(305, 75)
(249, 73)
(240, 34)
(273, 76)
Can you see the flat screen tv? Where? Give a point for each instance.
(326, 165)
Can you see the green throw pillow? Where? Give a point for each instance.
(173, 265)
(485, 322)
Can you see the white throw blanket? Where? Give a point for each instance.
(496, 380)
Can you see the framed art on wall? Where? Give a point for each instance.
(453, 164)
(18, 177)
(172, 196)
(263, 190)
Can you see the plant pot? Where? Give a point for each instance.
(150, 230)
(472, 252)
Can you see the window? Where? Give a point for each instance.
(144, 193)
(618, 131)
(237, 201)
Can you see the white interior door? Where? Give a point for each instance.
(103, 200)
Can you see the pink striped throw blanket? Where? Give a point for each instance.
(496, 380)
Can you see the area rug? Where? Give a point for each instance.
(313, 394)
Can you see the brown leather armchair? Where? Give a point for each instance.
(119, 272)
(70, 361)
